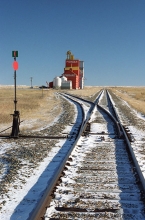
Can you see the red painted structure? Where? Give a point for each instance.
(50, 84)
(72, 72)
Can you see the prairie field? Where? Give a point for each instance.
(37, 107)
(33, 104)
(41, 106)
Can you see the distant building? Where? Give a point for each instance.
(73, 76)
(74, 71)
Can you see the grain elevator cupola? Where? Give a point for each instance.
(70, 56)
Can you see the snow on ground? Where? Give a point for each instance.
(86, 106)
(138, 147)
(86, 143)
(72, 173)
(20, 201)
(102, 95)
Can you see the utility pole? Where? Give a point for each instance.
(31, 82)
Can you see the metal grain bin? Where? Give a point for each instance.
(66, 85)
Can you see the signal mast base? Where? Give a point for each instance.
(15, 125)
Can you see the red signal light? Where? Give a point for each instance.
(15, 65)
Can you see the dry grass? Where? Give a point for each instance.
(87, 91)
(135, 96)
(37, 107)
(33, 104)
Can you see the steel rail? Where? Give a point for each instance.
(85, 100)
(72, 209)
(142, 179)
(37, 212)
(35, 136)
(82, 99)
(113, 118)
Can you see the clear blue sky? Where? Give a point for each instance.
(109, 35)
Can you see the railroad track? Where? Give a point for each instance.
(73, 136)
(100, 179)
(92, 176)
(26, 163)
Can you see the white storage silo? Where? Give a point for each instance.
(57, 82)
(82, 83)
(82, 68)
(63, 79)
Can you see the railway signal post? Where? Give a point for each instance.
(16, 115)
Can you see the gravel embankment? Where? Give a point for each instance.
(20, 157)
(128, 116)
(135, 124)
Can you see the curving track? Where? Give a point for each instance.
(91, 175)
(28, 165)
(63, 155)
(100, 180)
